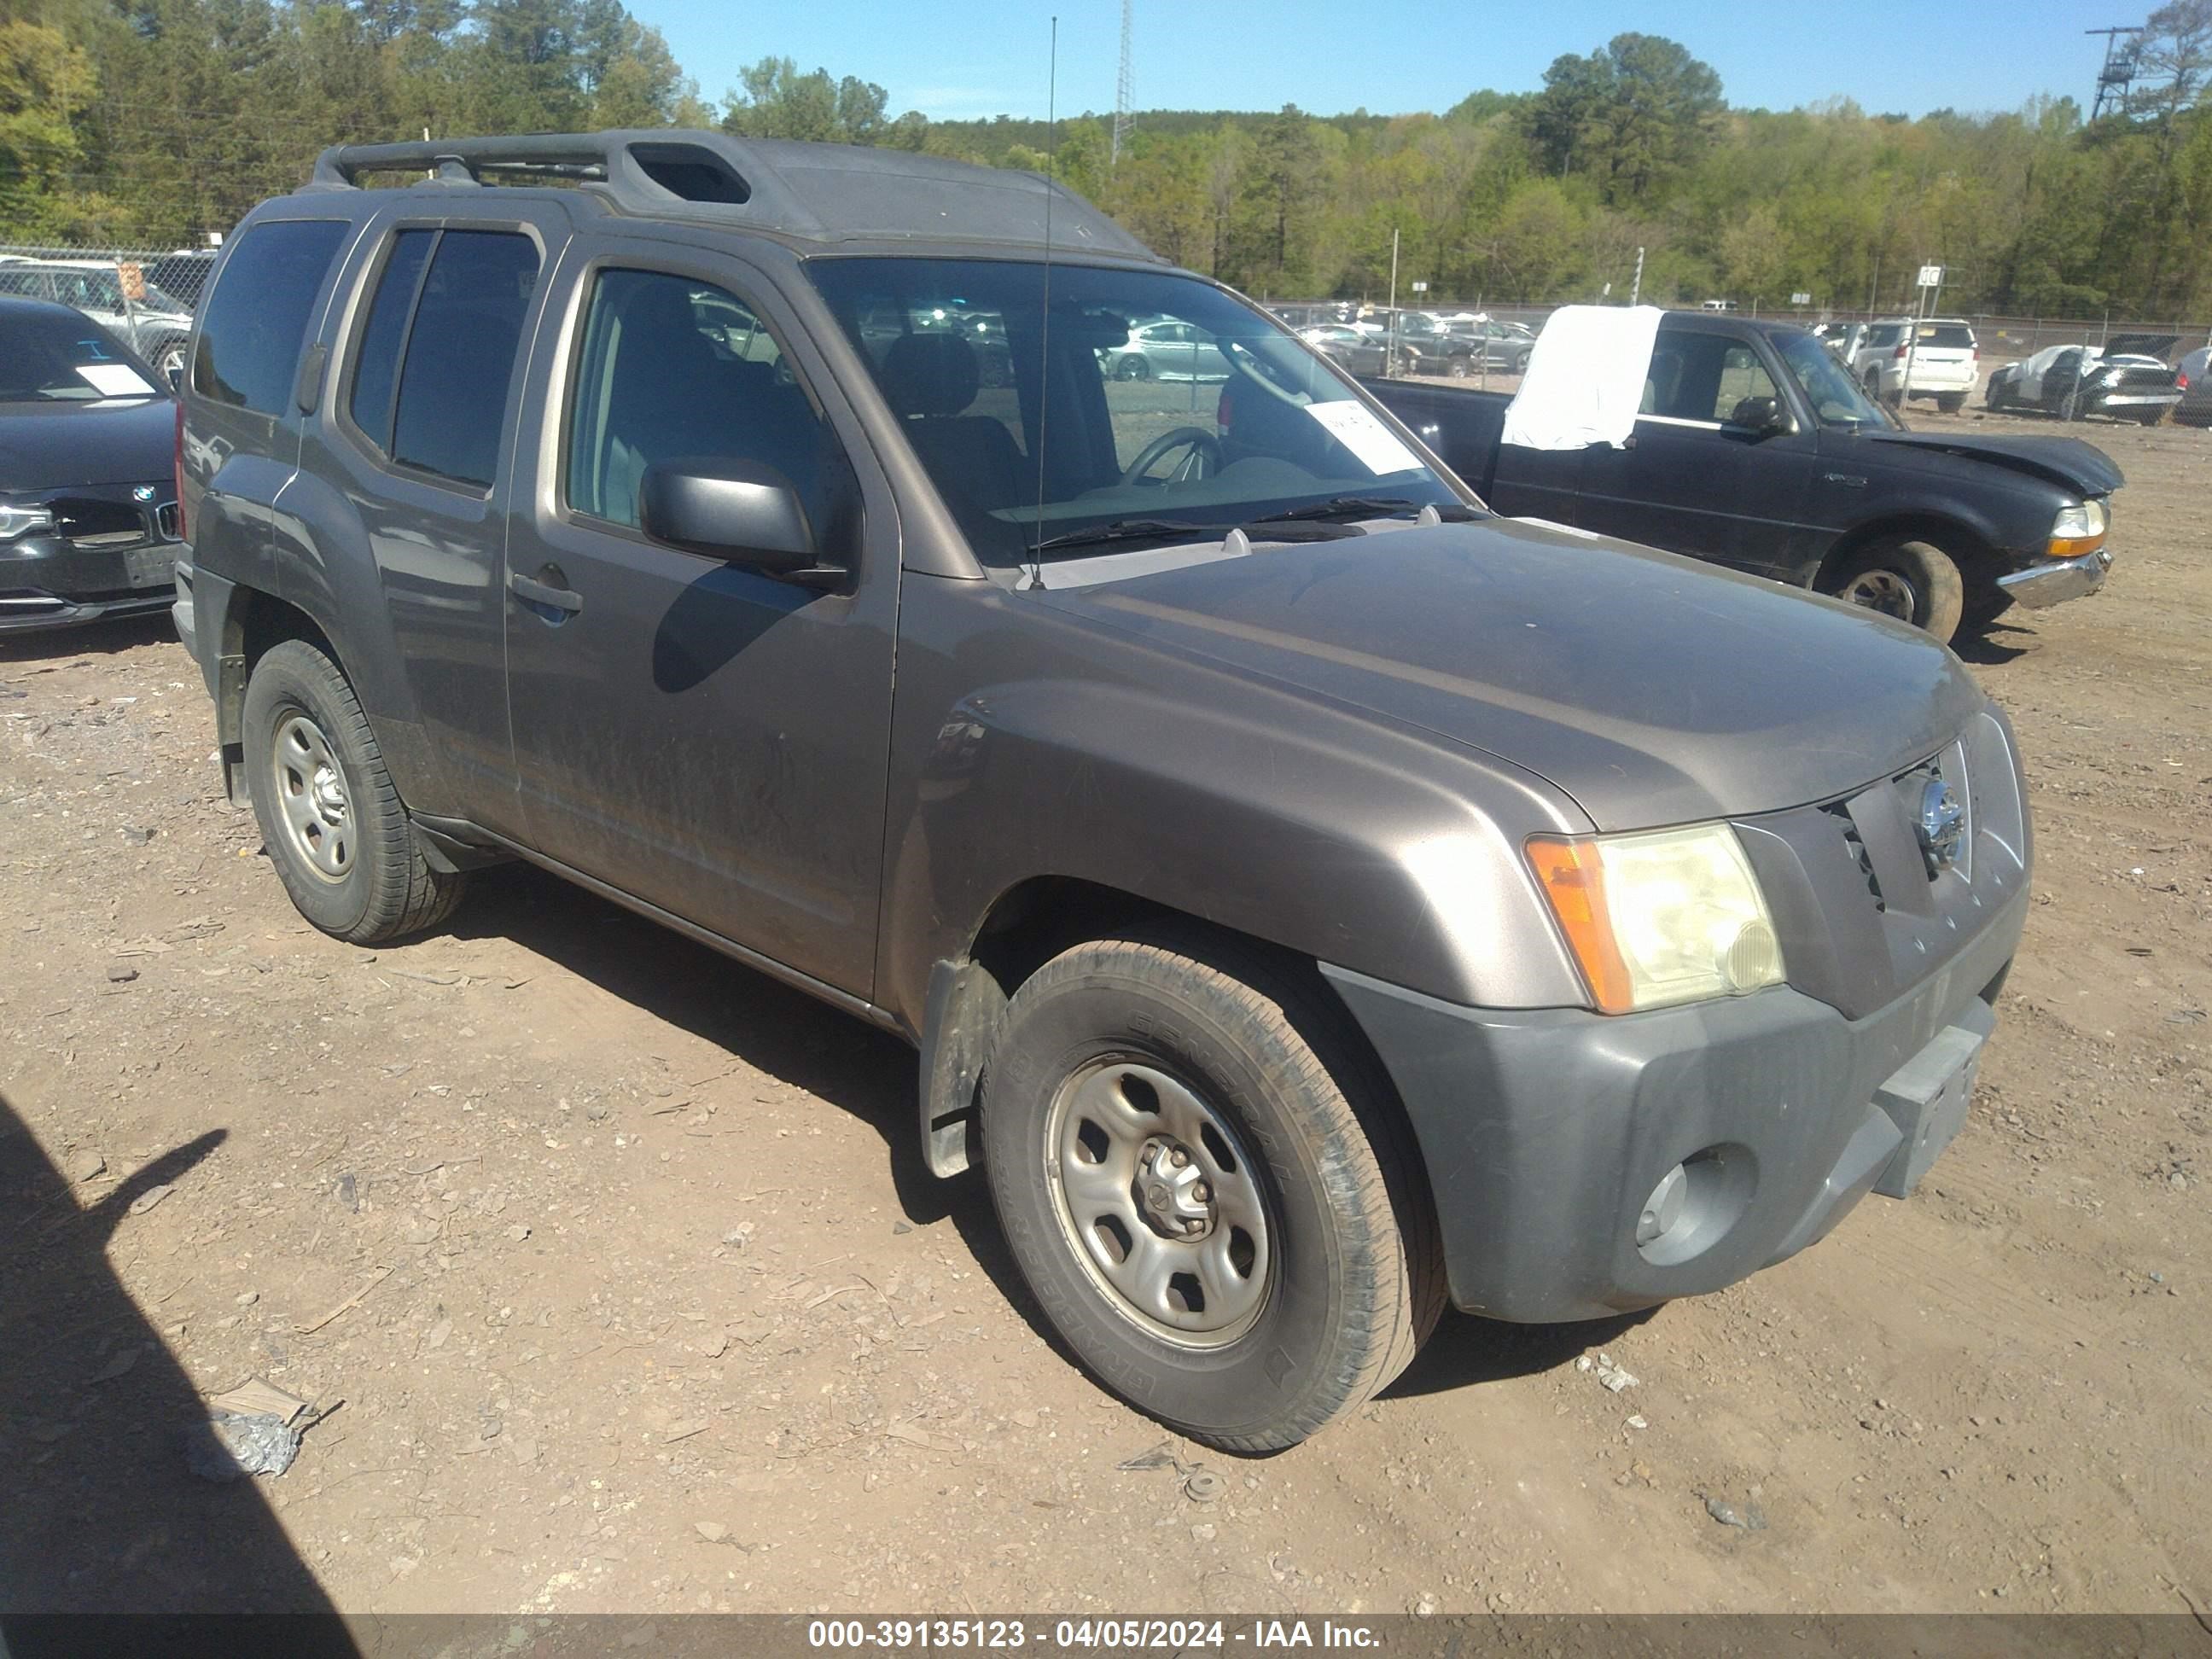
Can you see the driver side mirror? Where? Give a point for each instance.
(1764, 417)
(740, 512)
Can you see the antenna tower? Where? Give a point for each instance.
(1125, 87)
(2117, 75)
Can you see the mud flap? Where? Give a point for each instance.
(962, 1017)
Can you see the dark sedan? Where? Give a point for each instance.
(88, 523)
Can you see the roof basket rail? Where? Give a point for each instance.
(646, 170)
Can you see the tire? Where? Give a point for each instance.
(1340, 1279)
(169, 362)
(333, 823)
(1462, 366)
(1914, 582)
(1951, 402)
(1133, 367)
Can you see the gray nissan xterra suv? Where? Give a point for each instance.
(1311, 895)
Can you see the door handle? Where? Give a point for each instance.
(543, 596)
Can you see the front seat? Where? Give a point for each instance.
(929, 380)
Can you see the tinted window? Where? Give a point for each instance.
(376, 367)
(1702, 377)
(460, 354)
(675, 368)
(1950, 336)
(1742, 380)
(251, 336)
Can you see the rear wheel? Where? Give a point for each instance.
(1462, 367)
(1914, 582)
(1206, 1183)
(332, 822)
(1133, 367)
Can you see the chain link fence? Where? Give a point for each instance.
(145, 297)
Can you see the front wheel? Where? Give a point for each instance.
(1206, 1185)
(1914, 582)
(332, 822)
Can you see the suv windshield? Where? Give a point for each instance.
(1836, 398)
(48, 358)
(1172, 410)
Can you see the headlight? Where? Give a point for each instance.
(22, 520)
(1662, 917)
(2079, 529)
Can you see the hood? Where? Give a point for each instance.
(1652, 688)
(2148, 345)
(56, 446)
(2077, 465)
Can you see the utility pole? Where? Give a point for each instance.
(1636, 288)
(1393, 300)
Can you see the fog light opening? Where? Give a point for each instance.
(1695, 1204)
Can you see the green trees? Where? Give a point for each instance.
(154, 120)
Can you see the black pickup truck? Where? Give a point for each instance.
(1753, 448)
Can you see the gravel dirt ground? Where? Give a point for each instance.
(617, 1272)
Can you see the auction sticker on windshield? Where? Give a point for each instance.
(1354, 426)
(115, 379)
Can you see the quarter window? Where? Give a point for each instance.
(461, 346)
(255, 321)
(675, 368)
(376, 367)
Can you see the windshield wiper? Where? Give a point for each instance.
(1368, 507)
(1129, 530)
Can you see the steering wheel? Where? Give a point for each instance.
(1200, 440)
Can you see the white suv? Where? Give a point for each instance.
(1946, 361)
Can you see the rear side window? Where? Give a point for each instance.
(460, 354)
(257, 320)
(376, 367)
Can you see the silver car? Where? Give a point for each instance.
(156, 326)
(1167, 350)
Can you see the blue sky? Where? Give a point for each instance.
(987, 57)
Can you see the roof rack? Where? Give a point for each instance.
(817, 193)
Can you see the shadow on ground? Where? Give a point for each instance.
(1467, 1351)
(783, 1032)
(97, 638)
(2000, 642)
(100, 1513)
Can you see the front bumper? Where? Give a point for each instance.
(47, 582)
(1546, 1131)
(2053, 581)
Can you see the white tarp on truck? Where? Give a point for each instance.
(1585, 377)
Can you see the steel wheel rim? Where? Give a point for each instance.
(1183, 1251)
(1886, 591)
(311, 794)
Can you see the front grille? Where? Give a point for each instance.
(166, 517)
(1841, 811)
(88, 523)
